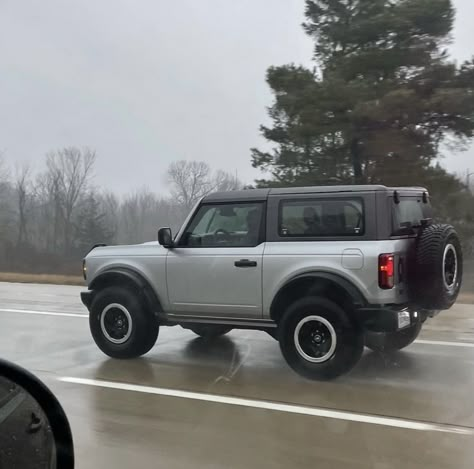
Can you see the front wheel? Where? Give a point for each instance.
(319, 340)
(392, 341)
(120, 324)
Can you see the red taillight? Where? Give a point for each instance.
(386, 271)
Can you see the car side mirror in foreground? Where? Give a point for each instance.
(165, 238)
(34, 430)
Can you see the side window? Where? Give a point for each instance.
(224, 225)
(321, 217)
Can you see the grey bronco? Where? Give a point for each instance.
(324, 270)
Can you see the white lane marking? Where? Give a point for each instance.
(442, 342)
(276, 406)
(44, 313)
(85, 315)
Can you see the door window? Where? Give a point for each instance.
(225, 225)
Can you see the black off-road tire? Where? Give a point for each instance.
(386, 342)
(436, 248)
(307, 314)
(210, 331)
(144, 326)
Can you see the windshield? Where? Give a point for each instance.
(240, 234)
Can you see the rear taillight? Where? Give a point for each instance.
(386, 271)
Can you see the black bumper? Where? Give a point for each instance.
(86, 298)
(389, 318)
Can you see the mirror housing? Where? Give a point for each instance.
(36, 418)
(165, 238)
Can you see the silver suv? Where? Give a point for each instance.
(324, 270)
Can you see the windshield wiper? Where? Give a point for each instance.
(409, 228)
(406, 228)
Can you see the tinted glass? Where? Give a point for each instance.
(224, 225)
(319, 217)
(408, 212)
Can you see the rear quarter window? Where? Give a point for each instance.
(409, 212)
(321, 217)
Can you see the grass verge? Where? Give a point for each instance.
(14, 277)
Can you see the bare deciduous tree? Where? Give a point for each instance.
(191, 180)
(224, 182)
(6, 219)
(23, 196)
(109, 204)
(70, 170)
(4, 173)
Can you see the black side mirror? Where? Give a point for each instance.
(33, 425)
(165, 238)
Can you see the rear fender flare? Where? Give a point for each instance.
(352, 291)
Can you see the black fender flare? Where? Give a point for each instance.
(358, 299)
(130, 276)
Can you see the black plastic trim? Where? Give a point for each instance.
(48, 402)
(273, 208)
(146, 289)
(384, 318)
(236, 323)
(357, 297)
(330, 236)
(262, 229)
(86, 298)
(98, 245)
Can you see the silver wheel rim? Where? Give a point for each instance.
(450, 267)
(106, 327)
(318, 326)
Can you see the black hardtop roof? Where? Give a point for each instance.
(262, 194)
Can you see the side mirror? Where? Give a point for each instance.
(33, 425)
(165, 238)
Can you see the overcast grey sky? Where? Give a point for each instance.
(146, 82)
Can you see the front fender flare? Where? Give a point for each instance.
(122, 274)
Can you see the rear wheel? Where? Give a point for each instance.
(120, 324)
(392, 341)
(210, 331)
(319, 340)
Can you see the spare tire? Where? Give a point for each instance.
(438, 267)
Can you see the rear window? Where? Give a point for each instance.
(321, 217)
(408, 213)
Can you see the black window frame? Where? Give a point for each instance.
(369, 205)
(321, 200)
(426, 209)
(262, 228)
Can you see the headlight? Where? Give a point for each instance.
(84, 269)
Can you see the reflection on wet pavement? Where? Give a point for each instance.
(126, 429)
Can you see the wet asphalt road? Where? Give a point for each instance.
(430, 383)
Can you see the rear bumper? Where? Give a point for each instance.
(86, 298)
(389, 318)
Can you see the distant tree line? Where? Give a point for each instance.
(50, 219)
(381, 102)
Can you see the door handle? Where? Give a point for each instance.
(245, 263)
